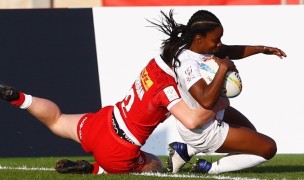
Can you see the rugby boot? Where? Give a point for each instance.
(178, 156)
(8, 93)
(201, 166)
(66, 166)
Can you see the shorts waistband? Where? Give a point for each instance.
(119, 131)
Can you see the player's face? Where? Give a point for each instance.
(208, 44)
(214, 39)
(211, 43)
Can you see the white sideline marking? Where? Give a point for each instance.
(24, 168)
(195, 176)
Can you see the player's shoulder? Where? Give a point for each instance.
(190, 58)
(159, 73)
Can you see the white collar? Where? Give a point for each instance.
(160, 62)
(195, 55)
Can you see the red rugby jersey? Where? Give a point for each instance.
(148, 101)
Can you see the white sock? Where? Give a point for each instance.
(235, 162)
(27, 101)
(101, 171)
(192, 151)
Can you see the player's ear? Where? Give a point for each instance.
(198, 37)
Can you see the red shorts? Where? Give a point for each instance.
(113, 154)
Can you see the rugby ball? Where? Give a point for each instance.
(232, 86)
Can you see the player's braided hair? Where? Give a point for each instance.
(181, 36)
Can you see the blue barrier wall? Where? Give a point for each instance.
(48, 53)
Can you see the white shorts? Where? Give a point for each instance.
(206, 139)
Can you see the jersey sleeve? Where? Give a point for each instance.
(189, 73)
(168, 96)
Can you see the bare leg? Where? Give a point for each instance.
(233, 116)
(49, 114)
(245, 140)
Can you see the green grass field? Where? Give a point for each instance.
(282, 166)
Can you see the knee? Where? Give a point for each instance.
(270, 149)
(55, 129)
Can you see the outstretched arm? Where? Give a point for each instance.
(242, 51)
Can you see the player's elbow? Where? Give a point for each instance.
(208, 105)
(200, 119)
(193, 124)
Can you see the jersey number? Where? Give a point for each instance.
(128, 101)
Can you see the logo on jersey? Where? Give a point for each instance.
(190, 75)
(188, 72)
(171, 93)
(139, 90)
(207, 68)
(145, 79)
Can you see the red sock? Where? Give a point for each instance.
(20, 101)
(96, 168)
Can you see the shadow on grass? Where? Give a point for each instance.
(274, 169)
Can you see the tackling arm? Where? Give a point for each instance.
(195, 118)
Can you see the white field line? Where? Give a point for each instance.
(25, 168)
(195, 176)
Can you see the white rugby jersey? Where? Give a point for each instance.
(187, 74)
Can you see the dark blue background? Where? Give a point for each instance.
(48, 53)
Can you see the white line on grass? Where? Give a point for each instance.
(25, 168)
(195, 176)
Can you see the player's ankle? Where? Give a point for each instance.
(97, 169)
(23, 102)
